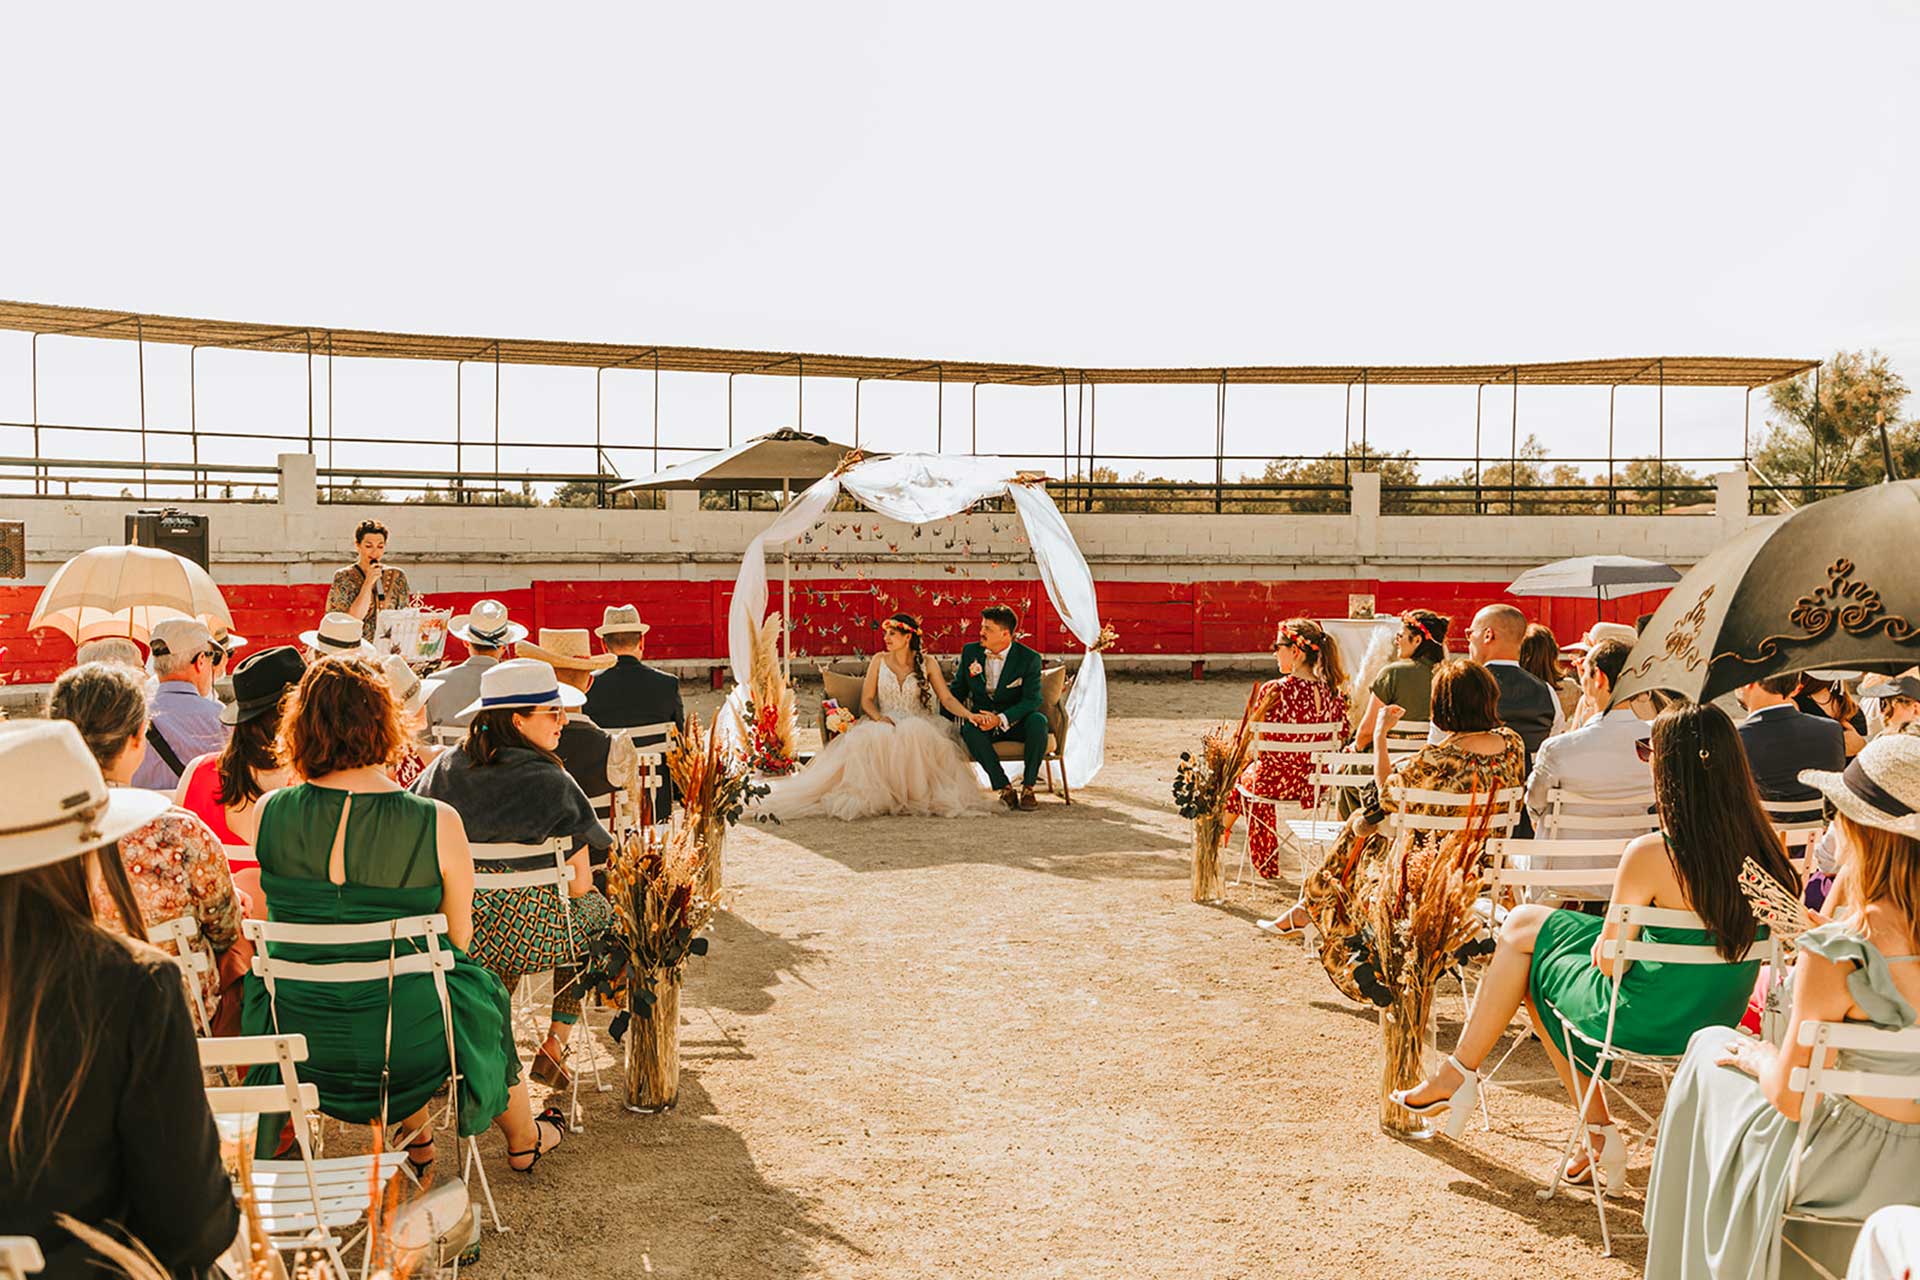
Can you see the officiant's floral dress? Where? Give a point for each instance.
(1282, 775)
(1339, 896)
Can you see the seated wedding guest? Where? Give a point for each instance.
(224, 639)
(1599, 762)
(1407, 681)
(1528, 706)
(345, 845)
(630, 692)
(364, 588)
(1726, 1139)
(1781, 740)
(508, 787)
(1307, 694)
(1540, 658)
(1548, 959)
(110, 649)
(488, 633)
(249, 766)
(175, 863)
(1820, 696)
(336, 636)
(1586, 710)
(1476, 755)
(105, 1114)
(411, 693)
(185, 717)
(1898, 701)
(602, 763)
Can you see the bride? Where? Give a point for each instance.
(901, 757)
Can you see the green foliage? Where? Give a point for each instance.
(355, 492)
(1836, 439)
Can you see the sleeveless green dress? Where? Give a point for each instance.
(1661, 1005)
(392, 870)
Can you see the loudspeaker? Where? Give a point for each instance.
(181, 532)
(13, 548)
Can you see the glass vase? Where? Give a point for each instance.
(1403, 1040)
(653, 1044)
(1208, 834)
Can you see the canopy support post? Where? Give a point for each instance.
(1364, 382)
(856, 413)
(499, 486)
(1063, 426)
(939, 408)
(1220, 445)
(193, 419)
(973, 444)
(799, 392)
(140, 344)
(1513, 449)
(599, 484)
(1093, 440)
(33, 377)
(1611, 389)
(1346, 442)
(329, 402)
(786, 597)
(1479, 500)
(1660, 462)
(459, 456)
(656, 410)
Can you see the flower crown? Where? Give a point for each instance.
(1413, 622)
(1288, 636)
(907, 627)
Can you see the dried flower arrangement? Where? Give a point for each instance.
(1203, 784)
(765, 715)
(715, 787)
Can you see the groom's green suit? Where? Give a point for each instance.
(1015, 698)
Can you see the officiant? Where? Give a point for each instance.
(998, 680)
(364, 588)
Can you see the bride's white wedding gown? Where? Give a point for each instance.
(916, 765)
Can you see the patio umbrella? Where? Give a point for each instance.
(1829, 585)
(778, 460)
(123, 591)
(1602, 577)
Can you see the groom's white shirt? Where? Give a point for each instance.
(996, 662)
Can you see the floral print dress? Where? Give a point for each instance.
(1282, 775)
(1339, 896)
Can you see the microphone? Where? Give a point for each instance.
(379, 582)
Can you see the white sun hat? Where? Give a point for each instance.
(339, 635)
(58, 806)
(409, 690)
(488, 626)
(528, 684)
(1881, 788)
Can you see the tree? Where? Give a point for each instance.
(576, 493)
(1325, 484)
(1836, 439)
(356, 492)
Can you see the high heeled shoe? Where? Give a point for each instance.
(1611, 1168)
(1458, 1105)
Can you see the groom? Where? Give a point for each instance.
(999, 683)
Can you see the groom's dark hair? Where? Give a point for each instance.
(1003, 615)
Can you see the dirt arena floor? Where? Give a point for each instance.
(1012, 1047)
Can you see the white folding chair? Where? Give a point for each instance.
(1453, 811)
(20, 1257)
(197, 965)
(1798, 823)
(433, 958)
(1568, 811)
(1823, 1077)
(557, 876)
(447, 735)
(1407, 736)
(305, 1203)
(1300, 739)
(650, 742)
(1627, 948)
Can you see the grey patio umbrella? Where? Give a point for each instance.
(1602, 577)
(1830, 585)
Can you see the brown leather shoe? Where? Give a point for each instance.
(1027, 803)
(1009, 799)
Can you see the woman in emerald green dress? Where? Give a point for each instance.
(348, 846)
(1711, 820)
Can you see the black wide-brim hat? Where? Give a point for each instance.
(259, 682)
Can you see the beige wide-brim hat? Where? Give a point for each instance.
(568, 648)
(339, 635)
(61, 806)
(1881, 788)
(621, 620)
(488, 626)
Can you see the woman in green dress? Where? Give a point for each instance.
(348, 846)
(1721, 1169)
(1549, 960)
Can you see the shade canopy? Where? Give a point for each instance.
(784, 457)
(1828, 586)
(1604, 577)
(124, 591)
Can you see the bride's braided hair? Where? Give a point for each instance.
(911, 625)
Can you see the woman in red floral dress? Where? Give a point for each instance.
(1308, 693)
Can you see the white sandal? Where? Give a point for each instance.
(1459, 1104)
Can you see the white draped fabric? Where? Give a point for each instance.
(918, 488)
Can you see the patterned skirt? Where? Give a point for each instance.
(519, 931)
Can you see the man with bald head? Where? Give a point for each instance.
(1526, 703)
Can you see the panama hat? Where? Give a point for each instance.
(221, 634)
(567, 648)
(409, 690)
(1904, 686)
(1881, 788)
(259, 681)
(621, 620)
(487, 626)
(339, 635)
(60, 806)
(529, 684)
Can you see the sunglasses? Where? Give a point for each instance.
(1643, 747)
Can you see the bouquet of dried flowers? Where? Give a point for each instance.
(1203, 784)
(1419, 919)
(766, 711)
(715, 786)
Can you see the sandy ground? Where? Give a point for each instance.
(1011, 1046)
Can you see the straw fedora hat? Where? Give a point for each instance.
(529, 684)
(222, 634)
(259, 681)
(61, 806)
(409, 690)
(568, 648)
(339, 635)
(621, 620)
(488, 626)
(1881, 788)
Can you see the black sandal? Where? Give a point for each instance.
(419, 1166)
(551, 1116)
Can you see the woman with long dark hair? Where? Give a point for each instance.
(1829, 699)
(1308, 693)
(900, 757)
(1710, 823)
(101, 1102)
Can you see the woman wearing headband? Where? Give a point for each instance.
(1721, 1168)
(1308, 694)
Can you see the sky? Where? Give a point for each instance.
(1105, 184)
